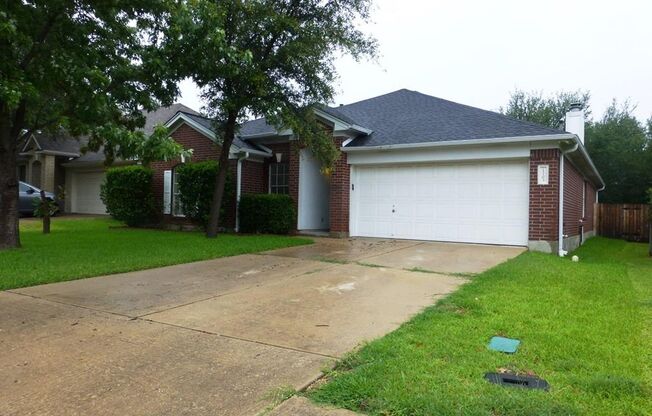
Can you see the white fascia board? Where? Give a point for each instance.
(56, 153)
(73, 165)
(32, 138)
(505, 151)
(282, 133)
(341, 125)
(517, 139)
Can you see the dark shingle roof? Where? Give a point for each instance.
(207, 123)
(407, 117)
(59, 142)
(410, 117)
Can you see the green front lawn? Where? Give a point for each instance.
(585, 327)
(92, 247)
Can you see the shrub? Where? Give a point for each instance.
(196, 187)
(267, 213)
(127, 194)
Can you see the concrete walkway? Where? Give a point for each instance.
(218, 336)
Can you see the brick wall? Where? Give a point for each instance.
(573, 192)
(203, 149)
(255, 177)
(544, 199)
(340, 185)
(590, 207)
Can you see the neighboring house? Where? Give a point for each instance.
(56, 162)
(412, 167)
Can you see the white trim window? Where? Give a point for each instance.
(177, 209)
(279, 175)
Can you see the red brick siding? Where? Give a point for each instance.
(340, 186)
(573, 191)
(254, 177)
(590, 207)
(544, 199)
(203, 149)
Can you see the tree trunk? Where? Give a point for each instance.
(222, 170)
(9, 236)
(45, 211)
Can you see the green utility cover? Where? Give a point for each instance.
(506, 345)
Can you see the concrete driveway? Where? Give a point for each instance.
(216, 337)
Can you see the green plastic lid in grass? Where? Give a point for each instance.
(506, 345)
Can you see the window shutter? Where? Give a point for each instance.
(167, 192)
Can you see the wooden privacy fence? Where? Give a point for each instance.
(625, 221)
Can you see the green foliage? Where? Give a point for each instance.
(267, 213)
(89, 67)
(86, 67)
(196, 186)
(127, 194)
(49, 206)
(266, 58)
(621, 149)
(119, 143)
(547, 111)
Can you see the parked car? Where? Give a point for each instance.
(27, 197)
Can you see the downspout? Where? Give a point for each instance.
(238, 188)
(561, 250)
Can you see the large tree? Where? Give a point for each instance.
(545, 110)
(271, 58)
(621, 149)
(85, 66)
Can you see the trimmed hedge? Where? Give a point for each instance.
(127, 194)
(266, 213)
(196, 187)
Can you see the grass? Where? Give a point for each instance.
(92, 247)
(585, 327)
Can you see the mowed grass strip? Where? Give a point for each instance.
(585, 327)
(79, 248)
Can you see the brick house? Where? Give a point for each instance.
(413, 166)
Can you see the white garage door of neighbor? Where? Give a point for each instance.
(86, 193)
(472, 203)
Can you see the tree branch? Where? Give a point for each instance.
(45, 31)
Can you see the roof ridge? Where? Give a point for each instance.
(371, 98)
(526, 122)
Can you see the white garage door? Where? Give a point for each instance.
(473, 203)
(85, 198)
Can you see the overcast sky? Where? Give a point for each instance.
(477, 52)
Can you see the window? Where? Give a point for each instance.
(177, 209)
(278, 178)
(23, 188)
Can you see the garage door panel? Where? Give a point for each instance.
(85, 198)
(482, 203)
